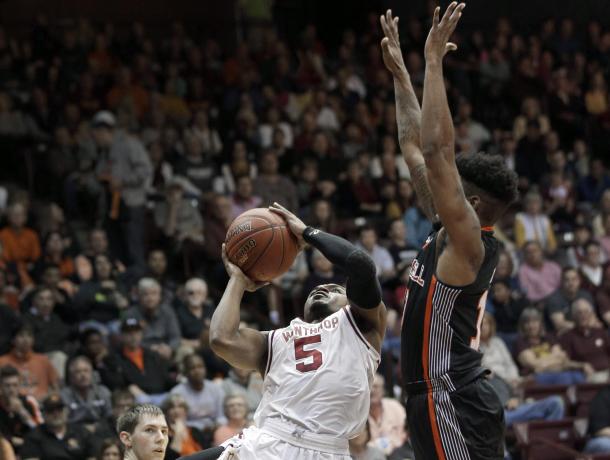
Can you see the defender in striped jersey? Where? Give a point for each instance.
(318, 370)
(453, 412)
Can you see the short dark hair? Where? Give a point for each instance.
(121, 393)
(8, 371)
(490, 174)
(130, 419)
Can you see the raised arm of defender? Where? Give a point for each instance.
(408, 113)
(465, 252)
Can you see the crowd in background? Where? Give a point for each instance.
(142, 149)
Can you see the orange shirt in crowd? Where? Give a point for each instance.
(20, 246)
(37, 373)
(225, 432)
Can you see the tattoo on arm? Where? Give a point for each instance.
(408, 115)
(420, 183)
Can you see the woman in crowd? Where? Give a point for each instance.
(183, 440)
(236, 411)
(110, 450)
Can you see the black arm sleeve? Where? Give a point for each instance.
(208, 454)
(363, 288)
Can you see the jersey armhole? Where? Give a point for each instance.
(359, 334)
(269, 352)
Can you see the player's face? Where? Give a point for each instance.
(150, 437)
(324, 300)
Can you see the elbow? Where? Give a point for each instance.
(434, 148)
(218, 342)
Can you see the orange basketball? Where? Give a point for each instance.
(261, 244)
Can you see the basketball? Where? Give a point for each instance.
(260, 243)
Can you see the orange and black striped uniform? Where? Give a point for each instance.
(453, 412)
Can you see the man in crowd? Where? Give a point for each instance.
(87, 401)
(538, 276)
(144, 372)
(244, 383)
(587, 342)
(204, 397)
(124, 169)
(161, 329)
(56, 438)
(18, 414)
(559, 305)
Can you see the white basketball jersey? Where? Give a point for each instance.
(318, 376)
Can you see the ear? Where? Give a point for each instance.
(125, 438)
(474, 201)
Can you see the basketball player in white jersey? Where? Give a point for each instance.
(318, 370)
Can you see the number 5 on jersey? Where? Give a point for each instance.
(303, 355)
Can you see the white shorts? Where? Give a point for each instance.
(259, 444)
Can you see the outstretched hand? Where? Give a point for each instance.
(437, 43)
(296, 225)
(235, 272)
(390, 44)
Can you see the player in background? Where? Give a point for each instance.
(143, 432)
(452, 411)
(318, 370)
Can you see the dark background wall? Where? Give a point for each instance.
(218, 18)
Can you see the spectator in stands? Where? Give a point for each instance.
(87, 401)
(38, 376)
(591, 267)
(161, 330)
(496, 356)
(110, 450)
(600, 218)
(54, 252)
(361, 449)
(270, 184)
(125, 170)
(51, 334)
(184, 439)
(100, 300)
(541, 357)
(236, 413)
(602, 297)
(558, 307)
(530, 160)
(204, 397)
(243, 199)
(402, 254)
(18, 414)
(356, 194)
(604, 239)
(506, 307)
(382, 258)
(9, 323)
(534, 225)
(244, 383)
(530, 111)
(386, 419)
(20, 244)
(157, 268)
(587, 342)
(505, 271)
(145, 372)
(105, 364)
(538, 277)
(198, 168)
(177, 218)
(192, 313)
(599, 423)
(122, 400)
(57, 438)
(592, 187)
(216, 226)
